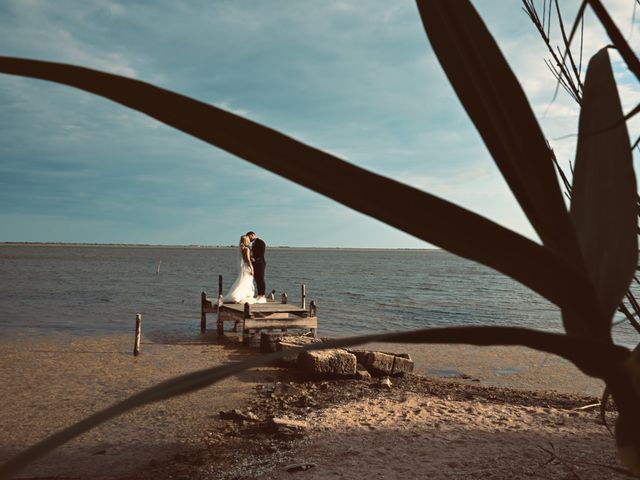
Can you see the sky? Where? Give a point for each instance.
(357, 79)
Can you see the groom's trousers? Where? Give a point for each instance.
(258, 273)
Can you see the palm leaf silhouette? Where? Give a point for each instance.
(603, 204)
(495, 102)
(496, 105)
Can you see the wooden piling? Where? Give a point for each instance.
(245, 331)
(313, 312)
(136, 345)
(220, 322)
(285, 299)
(303, 296)
(203, 313)
(219, 285)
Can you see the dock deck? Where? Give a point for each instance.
(258, 316)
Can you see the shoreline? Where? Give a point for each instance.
(50, 382)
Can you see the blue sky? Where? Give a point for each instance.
(355, 78)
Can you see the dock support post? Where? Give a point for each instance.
(313, 312)
(220, 322)
(219, 285)
(203, 313)
(245, 332)
(285, 299)
(136, 344)
(303, 296)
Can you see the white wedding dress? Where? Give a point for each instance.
(243, 289)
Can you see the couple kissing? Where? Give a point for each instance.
(249, 286)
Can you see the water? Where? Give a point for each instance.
(90, 290)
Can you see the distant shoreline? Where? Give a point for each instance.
(145, 245)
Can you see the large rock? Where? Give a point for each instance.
(335, 362)
(381, 364)
(291, 357)
(377, 363)
(402, 364)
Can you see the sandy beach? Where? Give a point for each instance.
(51, 382)
(495, 417)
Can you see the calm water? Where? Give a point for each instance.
(86, 290)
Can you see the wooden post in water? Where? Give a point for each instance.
(220, 322)
(285, 299)
(219, 285)
(136, 345)
(313, 312)
(303, 296)
(203, 314)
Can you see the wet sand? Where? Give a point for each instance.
(515, 367)
(51, 382)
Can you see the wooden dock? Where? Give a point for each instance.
(259, 316)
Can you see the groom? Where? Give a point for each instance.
(259, 263)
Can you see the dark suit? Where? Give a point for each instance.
(259, 264)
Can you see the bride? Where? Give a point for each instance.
(243, 289)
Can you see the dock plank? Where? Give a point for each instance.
(258, 323)
(270, 307)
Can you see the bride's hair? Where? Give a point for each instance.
(243, 241)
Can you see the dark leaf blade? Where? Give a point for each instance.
(495, 102)
(578, 351)
(603, 207)
(413, 211)
(616, 37)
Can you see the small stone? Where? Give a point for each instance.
(286, 391)
(252, 417)
(362, 373)
(298, 467)
(385, 383)
(239, 415)
(305, 401)
(288, 426)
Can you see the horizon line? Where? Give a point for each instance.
(194, 245)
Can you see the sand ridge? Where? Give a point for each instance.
(419, 428)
